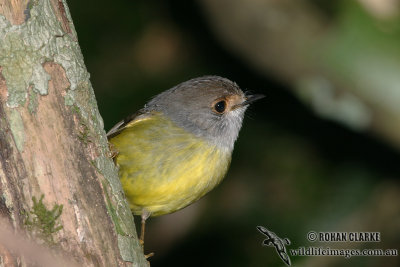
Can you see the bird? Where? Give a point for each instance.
(178, 147)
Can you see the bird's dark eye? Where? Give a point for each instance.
(220, 106)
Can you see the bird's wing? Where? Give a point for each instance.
(127, 122)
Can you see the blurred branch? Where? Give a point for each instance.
(14, 244)
(344, 64)
(384, 9)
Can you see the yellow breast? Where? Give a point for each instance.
(163, 168)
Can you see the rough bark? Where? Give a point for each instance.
(57, 184)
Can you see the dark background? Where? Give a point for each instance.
(292, 171)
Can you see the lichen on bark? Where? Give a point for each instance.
(52, 139)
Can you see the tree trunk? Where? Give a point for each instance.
(57, 184)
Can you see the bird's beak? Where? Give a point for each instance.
(248, 100)
(251, 98)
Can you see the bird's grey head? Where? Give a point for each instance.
(210, 107)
